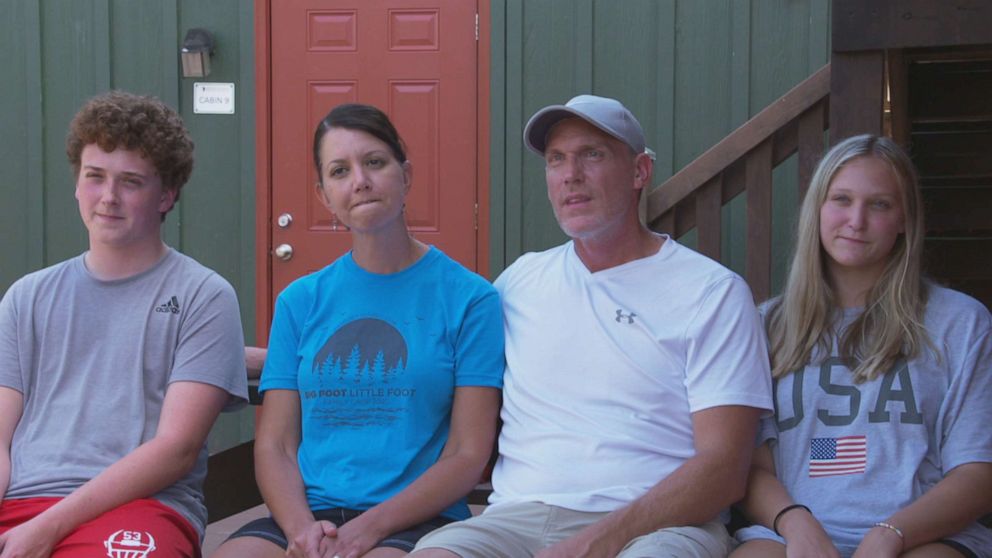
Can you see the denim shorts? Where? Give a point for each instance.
(266, 528)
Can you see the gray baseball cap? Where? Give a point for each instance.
(609, 115)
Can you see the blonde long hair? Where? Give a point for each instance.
(891, 325)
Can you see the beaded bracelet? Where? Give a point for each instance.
(783, 512)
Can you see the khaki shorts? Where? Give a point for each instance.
(516, 530)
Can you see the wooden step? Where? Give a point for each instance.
(958, 212)
(960, 258)
(964, 151)
(963, 264)
(950, 91)
(951, 182)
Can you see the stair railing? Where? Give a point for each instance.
(743, 162)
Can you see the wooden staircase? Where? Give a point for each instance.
(945, 98)
(950, 137)
(743, 163)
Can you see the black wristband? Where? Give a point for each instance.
(783, 512)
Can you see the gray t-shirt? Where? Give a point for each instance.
(94, 358)
(857, 453)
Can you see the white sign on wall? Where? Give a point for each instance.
(213, 98)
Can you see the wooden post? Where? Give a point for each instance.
(899, 95)
(810, 145)
(708, 225)
(856, 93)
(758, 263)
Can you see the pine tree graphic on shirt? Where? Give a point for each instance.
(370, 349)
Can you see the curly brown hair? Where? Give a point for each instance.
(134, 122)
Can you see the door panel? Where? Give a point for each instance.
(414, 59)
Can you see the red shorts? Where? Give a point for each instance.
(138, 529)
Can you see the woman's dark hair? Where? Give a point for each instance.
(364, 118)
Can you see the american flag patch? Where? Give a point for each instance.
(838, 456)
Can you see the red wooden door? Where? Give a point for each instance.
(414, 59)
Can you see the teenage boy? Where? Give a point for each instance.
(114, 364)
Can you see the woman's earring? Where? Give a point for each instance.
(334, 222)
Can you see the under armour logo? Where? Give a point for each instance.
(629, 317)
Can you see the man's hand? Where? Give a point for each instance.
(584, 544)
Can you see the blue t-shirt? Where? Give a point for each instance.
(376, 359)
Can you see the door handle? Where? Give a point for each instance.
(284, 252)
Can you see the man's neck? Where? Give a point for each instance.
(603, 253)
(109, 263)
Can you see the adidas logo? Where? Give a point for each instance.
(171, 306)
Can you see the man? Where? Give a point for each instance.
(115, 363)
(636, 370)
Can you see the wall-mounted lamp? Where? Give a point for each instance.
(195, 53)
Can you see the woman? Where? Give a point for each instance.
(383, 373)
(881, 443)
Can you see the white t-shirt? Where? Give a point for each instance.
(605, 369)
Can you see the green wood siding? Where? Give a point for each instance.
(691, 70)
(58, 53)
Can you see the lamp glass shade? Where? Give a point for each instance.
(196, 64)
